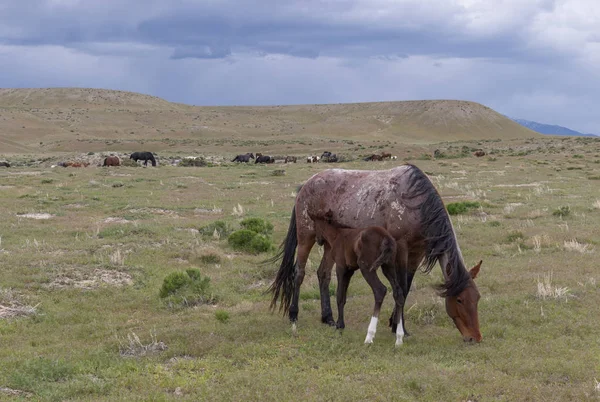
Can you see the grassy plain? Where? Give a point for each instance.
(96, 328)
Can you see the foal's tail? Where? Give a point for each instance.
(387, 249)
(284, 285)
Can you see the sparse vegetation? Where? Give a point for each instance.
(457, 208)
(91, 259)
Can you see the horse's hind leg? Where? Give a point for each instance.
(379, 291)
(304, 247)
(324, 276)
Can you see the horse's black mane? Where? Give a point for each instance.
(438, 233)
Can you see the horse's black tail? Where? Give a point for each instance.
(152, 159)
(284, 284)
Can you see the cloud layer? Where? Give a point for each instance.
(536, 59)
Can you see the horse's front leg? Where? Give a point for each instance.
(324, 275)
(344, 275)
(397, 278)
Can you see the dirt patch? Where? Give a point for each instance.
(215, 210)
(15, 392)
(11, 305)
(6, 187)
(112, 219)
(36, 216)
(81, 279)
(157, 211)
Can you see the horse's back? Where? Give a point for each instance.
(358, 199)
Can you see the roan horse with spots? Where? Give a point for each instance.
(403, 201)
(365, 249)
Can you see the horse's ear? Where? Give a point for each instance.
(475, 270)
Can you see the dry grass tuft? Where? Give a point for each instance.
(546, 290)
(238, 210)
(574, 245)
(134, 347)
(596, 204)
(12, 307)
(117, 258)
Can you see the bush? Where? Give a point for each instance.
(515, 237)
(198, 162)
(222, 316)
(257, 225)
(210, 259)
(249, 241)
(187, 288)
(129, 162)
(221, 227)
(562, 211)
(457, 208)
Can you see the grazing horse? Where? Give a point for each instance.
(5, 164)
(329, 158)
(479, 153)
(386, 155)
(365, 249)
(312, 159)
(112, 161)
(290, 159)
(144, 156)
(265, 159)
(403, 201)
(325, 154)
(74, 164)
(373, 157)
(244, 158)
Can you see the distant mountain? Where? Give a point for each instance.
(550, 129)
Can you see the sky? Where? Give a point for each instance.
(532, 59)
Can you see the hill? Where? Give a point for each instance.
(73, 119)
(550, 129)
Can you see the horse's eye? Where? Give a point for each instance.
(459, 301)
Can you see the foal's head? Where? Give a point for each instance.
(463, 309)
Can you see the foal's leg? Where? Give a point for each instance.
(324, 275)
(344, 275)
(379, 291)
(304, 247)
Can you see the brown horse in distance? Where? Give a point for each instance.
(112, 161)
(365, 249)
(402, 200)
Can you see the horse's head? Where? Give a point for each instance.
(463, 309)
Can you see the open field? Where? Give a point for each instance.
(85, 251)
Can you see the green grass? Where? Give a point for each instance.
(93, 272)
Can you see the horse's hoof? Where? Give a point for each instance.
(340, 326)
(329, 321)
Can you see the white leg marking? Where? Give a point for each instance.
(399, 334)
(371, 331)
(294, 329)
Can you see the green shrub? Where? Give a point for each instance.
(210, 259)
(249, 241)
(257, 225)
(222, 316)
(187, 288)
(562, 211)
(198, 162)
(47, 181)
(457, 208)
(494, 223)
(515, 236)
(221, 227)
